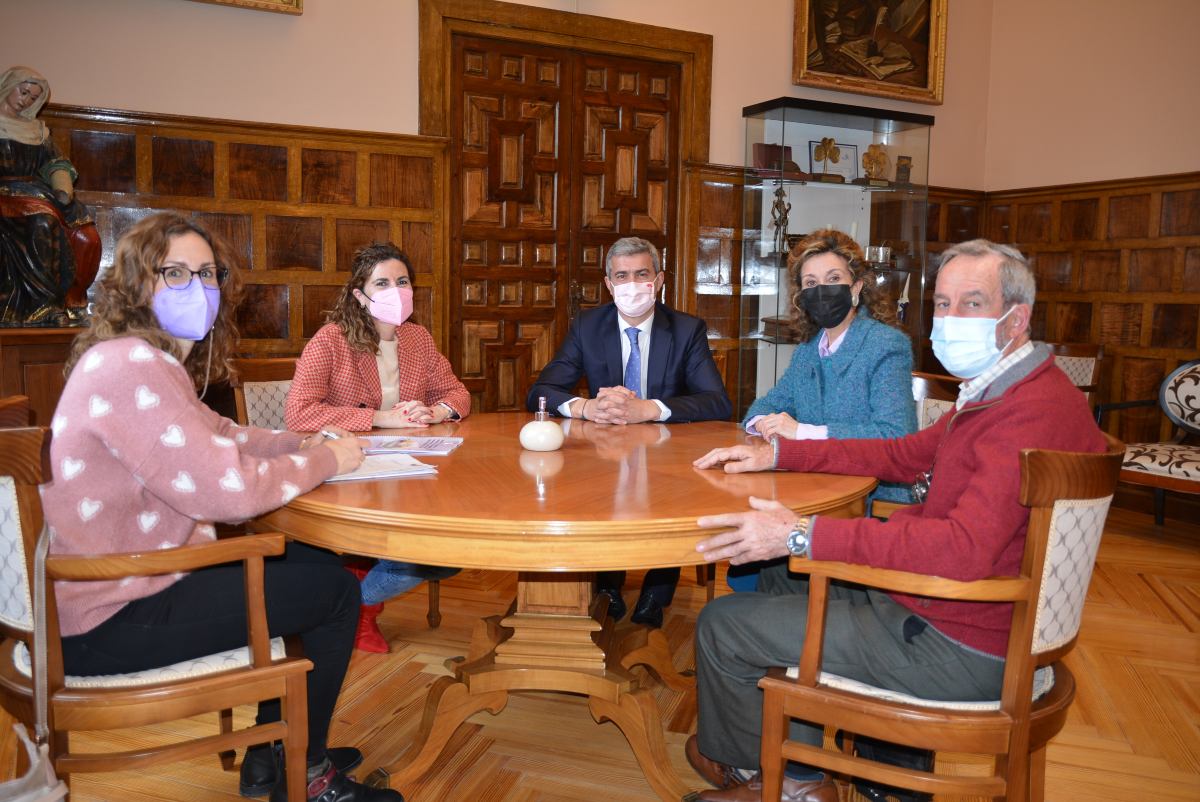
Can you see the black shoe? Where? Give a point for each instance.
(616, 605)
(648, 612)
(261, 766)
(333, 786)
(886, 793)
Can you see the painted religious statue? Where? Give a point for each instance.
(49, 247)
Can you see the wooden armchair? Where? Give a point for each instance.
(1068, 495)
(1083, 363)
(259, 392)
(1173, 464)
(935, 396)
(209, 684)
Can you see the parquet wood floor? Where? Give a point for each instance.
(1133, 733)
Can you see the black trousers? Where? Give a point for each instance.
(659, 584)
(308, 593)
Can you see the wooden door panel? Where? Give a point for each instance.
(555, 154)
(509, 240)
(627, 161)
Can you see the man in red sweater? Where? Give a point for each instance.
(969, 526)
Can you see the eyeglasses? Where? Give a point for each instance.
(178, 278)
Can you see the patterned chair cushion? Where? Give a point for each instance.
(264, 403)
(930, 409)
(188, 669)
(1043, 681)
(1079, 369)
(16, 608)
(1177, 460)
(1075, 530)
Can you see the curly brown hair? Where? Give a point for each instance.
(124, 299)
(830, 240)
(355, 322)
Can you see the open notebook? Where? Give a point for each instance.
(385, 466)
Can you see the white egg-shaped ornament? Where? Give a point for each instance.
(541, 433)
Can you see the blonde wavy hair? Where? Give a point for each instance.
(351, 317)
(124, 299)
(830, 240)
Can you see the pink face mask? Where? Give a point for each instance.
(393, 305)
(634, 298)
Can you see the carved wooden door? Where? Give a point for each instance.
(555, 154)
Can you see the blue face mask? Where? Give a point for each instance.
(188, 313)
(966, 346)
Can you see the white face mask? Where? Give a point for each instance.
(634, 298)
(966, 346)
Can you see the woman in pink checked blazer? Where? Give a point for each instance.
(369, 367)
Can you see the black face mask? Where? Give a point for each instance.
(826, 304)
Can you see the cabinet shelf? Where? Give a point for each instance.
(783, 141)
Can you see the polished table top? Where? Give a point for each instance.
(613, 497)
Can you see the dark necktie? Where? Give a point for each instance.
(633, 368)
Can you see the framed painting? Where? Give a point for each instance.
(282, 6)
(887, 48)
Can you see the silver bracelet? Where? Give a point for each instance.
(775, 452)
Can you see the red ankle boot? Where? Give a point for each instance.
(368, 637)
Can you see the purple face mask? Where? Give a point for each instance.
(188, 313)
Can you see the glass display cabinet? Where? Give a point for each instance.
(812, 165)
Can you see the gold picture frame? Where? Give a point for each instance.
(860, 46)
(280, 6)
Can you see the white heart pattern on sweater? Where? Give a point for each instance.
(89, 507)
(183, 483)
(173, 437)
(141, 353)
(223, 442)
(58, 425)
(241, 437)
(98, 407)
(72, 467)
(290, 491)
(93, 361)
(232, 481)
(145, 397)
(147, 520)
(298, 460)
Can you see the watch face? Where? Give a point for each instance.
(797, 543)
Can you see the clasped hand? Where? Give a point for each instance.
(777, 424)
(619, 405)
(410, 415)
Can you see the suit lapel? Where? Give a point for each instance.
(661, 341)
(368, 374)
(610, 335)
(847, 352)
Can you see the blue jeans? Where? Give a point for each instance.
(389, 579)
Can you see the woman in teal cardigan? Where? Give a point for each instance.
(851, 376)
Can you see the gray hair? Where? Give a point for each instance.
(631, 246)
(1017, 285)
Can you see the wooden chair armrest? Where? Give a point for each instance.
(164, 561)
(995, 589)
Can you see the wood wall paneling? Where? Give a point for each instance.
(293, 202)
(1122, 269)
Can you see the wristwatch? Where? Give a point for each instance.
(799, 541)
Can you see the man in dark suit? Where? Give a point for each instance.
(642, 361)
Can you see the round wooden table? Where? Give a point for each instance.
(614, 497)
